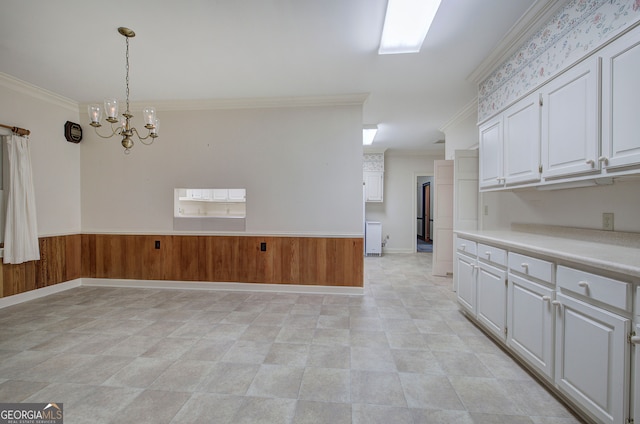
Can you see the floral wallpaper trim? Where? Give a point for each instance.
(373, 162)
(577, 29)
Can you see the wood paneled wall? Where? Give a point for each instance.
(287, 260)
(60, 261)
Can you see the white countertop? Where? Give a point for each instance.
(606, 252)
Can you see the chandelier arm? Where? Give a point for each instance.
(114, 131)
(133, 129)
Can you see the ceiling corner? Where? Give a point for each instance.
(536, 15)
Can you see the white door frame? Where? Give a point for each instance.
(414, 201)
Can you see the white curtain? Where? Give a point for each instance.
(21, 229)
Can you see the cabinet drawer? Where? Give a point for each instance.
(611, 292)
(467, 246)
(533, 267)
(492, 254)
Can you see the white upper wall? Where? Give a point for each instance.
(301, 167)
(55, 162)
(461, 132)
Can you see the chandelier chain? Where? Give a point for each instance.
(127, 38)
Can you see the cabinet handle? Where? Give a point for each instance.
(556, 303)
(583, 284)
(546, 298)
(525, 266)
(463, 246)
(635, 339)
(590, 162)
(488, 254)
(603, 159)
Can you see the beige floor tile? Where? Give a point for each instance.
(402, 352)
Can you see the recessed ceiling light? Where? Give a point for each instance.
(368, 134)
(406, 25)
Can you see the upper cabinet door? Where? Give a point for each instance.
(374, 186)
(522, 141)
(570, 117)
(620, 94)
(491, 160)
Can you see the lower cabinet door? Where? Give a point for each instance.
(491, 295)
(465, 273)
(530, 323)
(592, 358)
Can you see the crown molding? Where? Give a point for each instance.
(539, 13)
(368, 150)
(356, 99)
(34, 91)
(469, 109)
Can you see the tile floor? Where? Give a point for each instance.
(402, 353)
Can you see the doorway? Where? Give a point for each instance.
(424, 203)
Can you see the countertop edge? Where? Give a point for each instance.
(591, 255)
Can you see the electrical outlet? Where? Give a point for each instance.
(486, 210)
(607, 221)
(263, 247)
(157, 244)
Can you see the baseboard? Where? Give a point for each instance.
(222, 286)
(397, 250)
(177, 285)
(38, 293)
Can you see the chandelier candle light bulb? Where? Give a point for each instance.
(124, 128)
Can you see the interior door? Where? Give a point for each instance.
(442, 217)
(465, 192)
(426, 214)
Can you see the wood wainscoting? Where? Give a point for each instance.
(327, 261)
(60, 261)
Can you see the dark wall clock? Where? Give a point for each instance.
(72, 132)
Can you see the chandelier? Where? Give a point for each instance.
(124, 129)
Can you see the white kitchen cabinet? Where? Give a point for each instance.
(194, 193)
(491, 163)
(465, 271)
(522, 141)
(491, 289)
(620, 93)
(491, 298)
(237, 195)
(374, 186)
(530, 322)
(592, 358)
(570, 117)
(220, 194)
(233, 195)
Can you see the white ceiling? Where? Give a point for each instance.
(230, 49)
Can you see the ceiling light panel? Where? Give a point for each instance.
(368, 134)
(406, 25)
